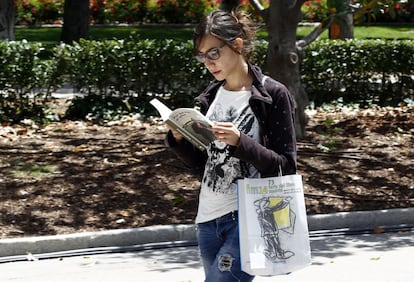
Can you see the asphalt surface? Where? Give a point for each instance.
(358, 246)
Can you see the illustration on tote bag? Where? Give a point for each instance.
(275, 215)
(273, 229)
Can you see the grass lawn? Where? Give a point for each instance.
(370, 32)
(50, 35)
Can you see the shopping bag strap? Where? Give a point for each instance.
(280, 171)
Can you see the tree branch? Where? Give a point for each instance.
(260, 9)
(257, 5)
(324, 25)
(296, 4)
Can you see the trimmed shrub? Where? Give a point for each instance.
(359, 71)
(26, 82)
(121, 76)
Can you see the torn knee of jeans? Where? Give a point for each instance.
(225, 262)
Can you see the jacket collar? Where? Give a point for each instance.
(259, 91)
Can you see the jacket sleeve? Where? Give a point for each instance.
(192, 157)
(279, 150)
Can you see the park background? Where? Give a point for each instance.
(98, 161)
(129, 40)
(39, 12)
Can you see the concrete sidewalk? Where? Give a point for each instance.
(385, 257)
(344, 248)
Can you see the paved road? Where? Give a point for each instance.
(351, 258)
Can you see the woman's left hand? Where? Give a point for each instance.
(226, 132)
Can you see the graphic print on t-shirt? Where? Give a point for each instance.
(222, 170)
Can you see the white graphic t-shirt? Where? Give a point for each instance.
(218, 195)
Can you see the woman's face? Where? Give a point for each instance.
(228, 60)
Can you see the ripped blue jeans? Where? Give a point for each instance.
(218, 242)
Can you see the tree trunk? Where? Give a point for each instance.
(284, 57)
(342, 26)
(228, 5)
(7, 14)
(75, 21)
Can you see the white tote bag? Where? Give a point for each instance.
(274, 237)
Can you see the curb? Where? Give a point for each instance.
(361, 219)
(173, 233)
(85, 240)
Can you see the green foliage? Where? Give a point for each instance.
(365, 11)
(135, 69)
(120, 76)
(97, 108)
(20, 169)
(359, 71)
(384, 11)
(26, 81)
(174, 11)
(139, 70)
(114, 11)
(314, 10)
(36, 12)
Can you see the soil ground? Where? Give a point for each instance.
(74, 176)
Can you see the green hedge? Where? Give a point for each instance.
(120, 76)
(139, 70)
(136, 70)
(26, 81)
(359, 71)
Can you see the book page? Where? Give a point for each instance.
(196, 124)
(192, 124)
(161, 108)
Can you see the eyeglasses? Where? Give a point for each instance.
(212, 54)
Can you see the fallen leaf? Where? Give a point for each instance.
(124, 213)
(377, 258)
(31, 257)
(22, 131)
(378, 230)
(80, 148)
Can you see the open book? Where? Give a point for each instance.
(192, 124)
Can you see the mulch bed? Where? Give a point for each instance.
(74, 176)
